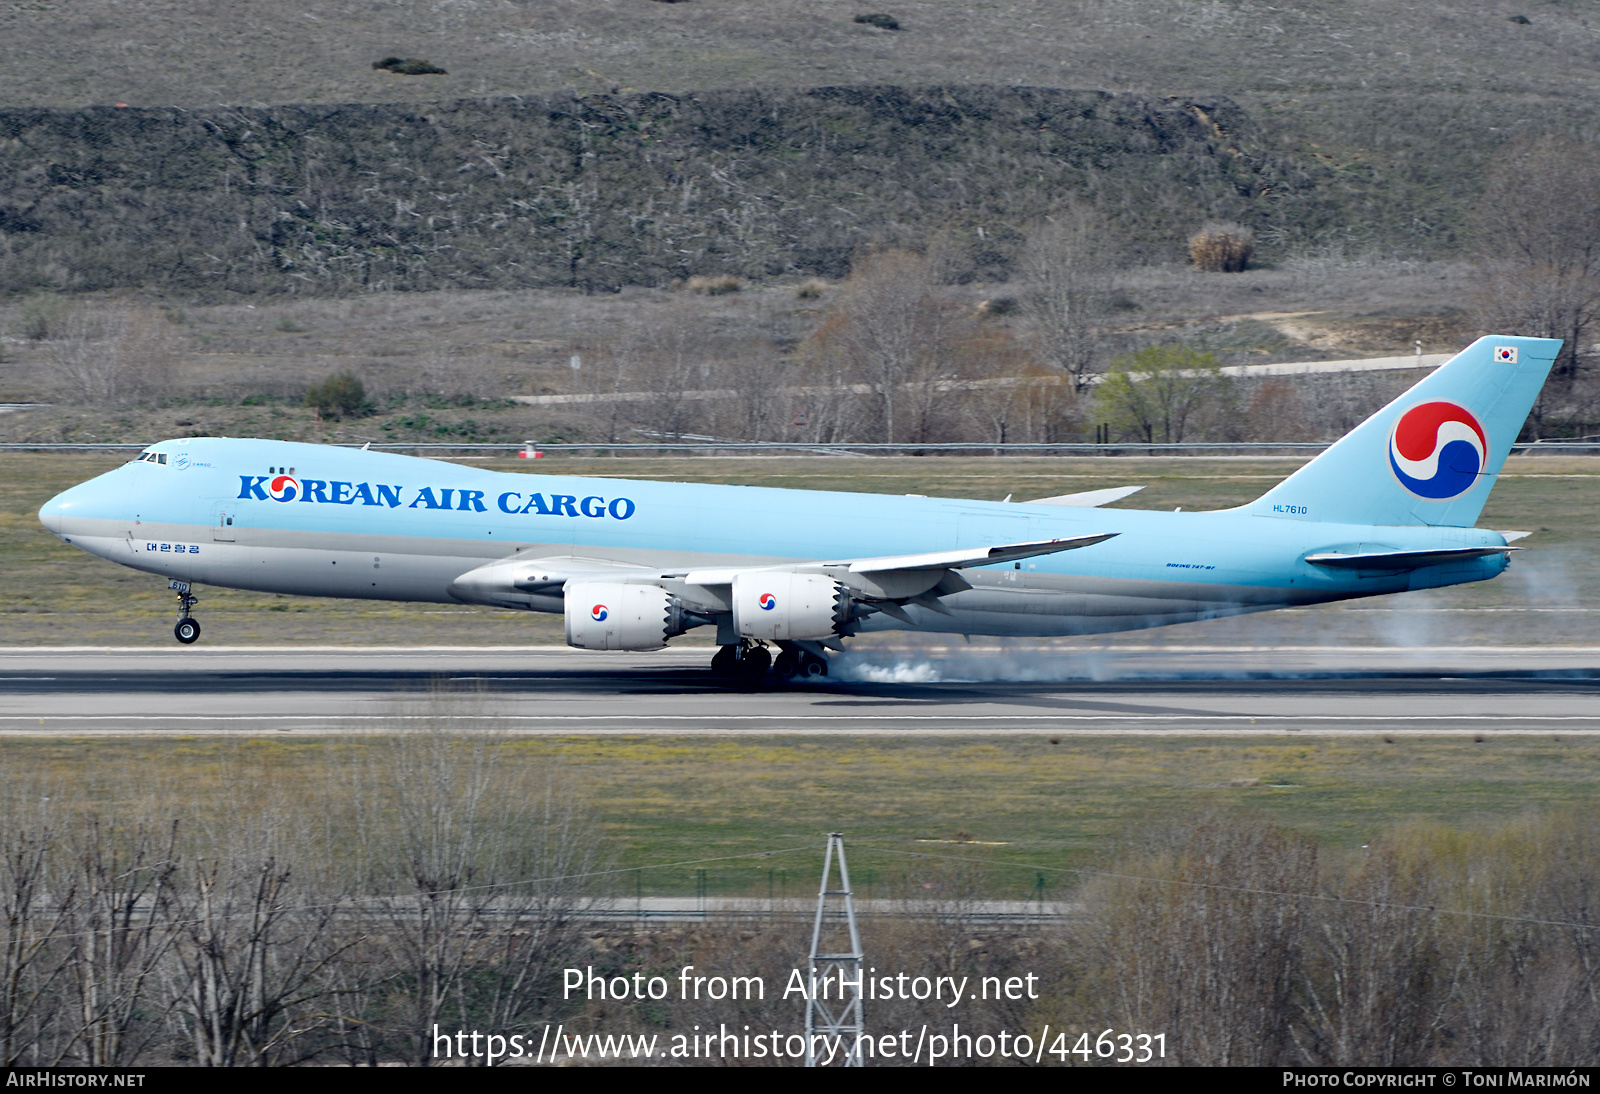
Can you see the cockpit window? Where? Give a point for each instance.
(152, 457)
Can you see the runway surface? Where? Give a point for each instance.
(922, 691)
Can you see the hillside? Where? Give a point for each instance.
(566, 144)
(604, 191)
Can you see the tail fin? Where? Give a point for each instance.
(1431, 456)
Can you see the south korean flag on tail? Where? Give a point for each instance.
(1506, 355)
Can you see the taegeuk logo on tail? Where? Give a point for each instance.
(1437, 450)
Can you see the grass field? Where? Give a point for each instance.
(1032, 808)
(56, 595)
(912, 809)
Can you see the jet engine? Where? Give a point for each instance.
(772, 605)
(603, 615)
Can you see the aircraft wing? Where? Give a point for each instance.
(958, 559)
(1089, 499)
(886, 581)
(891, 580)
(975, 556)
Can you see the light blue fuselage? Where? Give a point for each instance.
(391, 527)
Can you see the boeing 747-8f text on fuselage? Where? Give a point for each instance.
(631, 564)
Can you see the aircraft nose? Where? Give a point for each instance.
(51, 512)
(54, 513)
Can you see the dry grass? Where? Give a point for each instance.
(191, 53)
(720, 285)
(1222, 248)
(1064, 805)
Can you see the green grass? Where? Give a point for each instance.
(1030, 806)
(56, 595)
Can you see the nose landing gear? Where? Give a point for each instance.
(187, 629)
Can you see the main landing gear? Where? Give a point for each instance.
(187, 629)
(748, 661)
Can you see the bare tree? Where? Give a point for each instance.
(757, 405)
(250, 949)
(1203, 938)
(1537, 240)
(672, 361)
(543, 906)
(1008, 395)
(605, 375)
(114, 354)
(34, 919)
(1372, 990)
(896, 332)
(1069, 274)
(480, 879)
(826, 405)
(121, 927)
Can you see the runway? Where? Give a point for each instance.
(927, 691)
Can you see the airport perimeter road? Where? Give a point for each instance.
(946, 690)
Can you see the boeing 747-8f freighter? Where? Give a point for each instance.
(631, 564)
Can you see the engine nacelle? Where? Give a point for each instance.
(604, 615)
(772, 605)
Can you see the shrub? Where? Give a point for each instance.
(341, 395)
(811, 288)
(719, 285)
(41, 316)
(880, 20)
(409, 66)
(1222, 248)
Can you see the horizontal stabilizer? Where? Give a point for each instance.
(1089, 499)
(1403, 560)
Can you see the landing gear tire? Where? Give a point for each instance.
(787, 665)
(814, 667)
(725, 662)
(186, 631)
(754, 664)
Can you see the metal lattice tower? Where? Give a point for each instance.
(839, 1016)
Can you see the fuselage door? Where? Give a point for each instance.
(222, 526)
